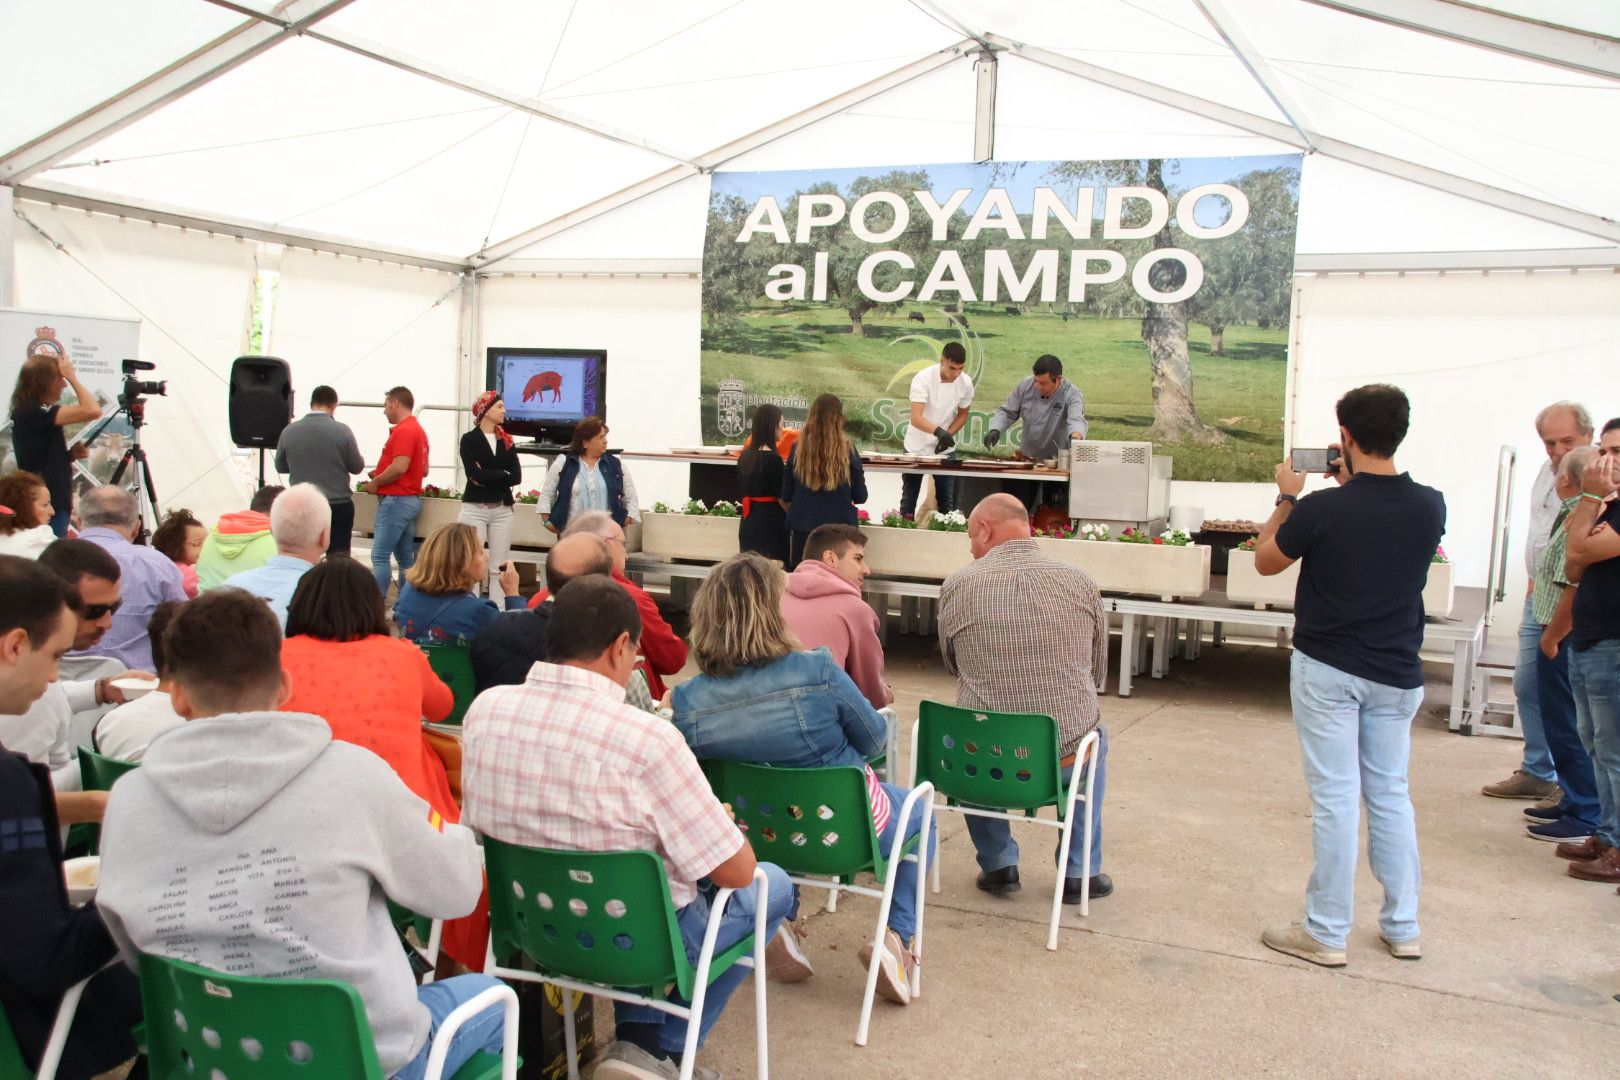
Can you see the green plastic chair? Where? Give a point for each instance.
(603, 923)
(11, 1058)
(1006, 765)
(817, 825)
(96, 773)
(453, 663)
(205, 1023)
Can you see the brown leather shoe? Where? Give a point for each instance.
(1605, 868)
(1585, 851)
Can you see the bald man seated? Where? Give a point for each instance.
(1025, 633)
(505, 650)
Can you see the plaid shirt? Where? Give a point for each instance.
(1025, 633)
(562, 762)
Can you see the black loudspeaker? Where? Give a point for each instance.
(261, 401)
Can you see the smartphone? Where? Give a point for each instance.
(1325, 460)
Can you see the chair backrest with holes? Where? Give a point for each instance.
(452, 663)
(807, 821)
(202, 1023)
(602, 917)
(999, 760)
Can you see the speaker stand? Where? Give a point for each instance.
(261, 470)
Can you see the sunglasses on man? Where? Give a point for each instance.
(92, 612)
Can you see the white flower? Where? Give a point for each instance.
(1176, 536)
(1093, 530)
(953, 517)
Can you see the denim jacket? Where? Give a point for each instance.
(800, 711)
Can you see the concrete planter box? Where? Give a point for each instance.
(689, 536)
(1145, 569)
(435, 512)
(915, 553)
(527, 528)
(1244, 585)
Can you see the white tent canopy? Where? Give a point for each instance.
(504, 171)
(465, 134)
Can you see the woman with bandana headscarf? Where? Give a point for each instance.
(492, 468)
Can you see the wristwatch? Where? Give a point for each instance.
(1285, 498)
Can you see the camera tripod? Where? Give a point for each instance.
(135, 454)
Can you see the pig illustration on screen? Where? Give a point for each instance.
(545, 380)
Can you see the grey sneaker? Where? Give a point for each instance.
(1411, 949)
(627, 1061)
(1292, 940)
(1521, 785)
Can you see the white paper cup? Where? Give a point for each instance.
(83, 875)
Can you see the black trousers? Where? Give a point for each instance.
(342, 528)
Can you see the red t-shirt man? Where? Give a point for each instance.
(407, 439)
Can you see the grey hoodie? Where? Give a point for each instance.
(254, 844)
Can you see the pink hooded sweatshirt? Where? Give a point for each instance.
(823, 609)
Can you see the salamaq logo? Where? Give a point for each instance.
(728, 408)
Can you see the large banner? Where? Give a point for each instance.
(1164, 286)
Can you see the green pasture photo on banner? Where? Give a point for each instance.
(1164, 285)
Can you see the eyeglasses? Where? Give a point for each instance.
(92, 612)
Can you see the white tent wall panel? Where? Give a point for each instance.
(363, 328)
(1478, 355)
(193, 292)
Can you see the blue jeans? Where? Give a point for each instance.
(996, 848)
(903, 908)
(483, 1032)
(395, 537)
(1538, 760)
(1356, 738)
(1594, 677)
(1559, 721)
(736, 924)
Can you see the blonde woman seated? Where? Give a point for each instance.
(438, 604)
(760, 699)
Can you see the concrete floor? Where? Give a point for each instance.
(1207, 837)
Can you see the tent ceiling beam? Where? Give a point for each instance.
(1528, 39)
(245, 229)
(1501, 198)
(488, 91)
(212, 60)
(712, 160)
(954, 21)
(1258, 68)
(984, 110)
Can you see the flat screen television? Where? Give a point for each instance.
(549, 391)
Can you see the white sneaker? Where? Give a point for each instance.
(894, 969)
(785, 961)
(627, 1061)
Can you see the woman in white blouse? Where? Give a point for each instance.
(587, 477)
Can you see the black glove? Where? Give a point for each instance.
(991, 437)
(943, 440)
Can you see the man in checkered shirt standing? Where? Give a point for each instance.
(1025, 633)
(562, 762)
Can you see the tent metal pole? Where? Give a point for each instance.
(469, 354)
(247, 230)
(781, 129)
(984, 111)
(212, 60)
(1514, 35)
(1540, 210)
(1259, 70)
(8, 249)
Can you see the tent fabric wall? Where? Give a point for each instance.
(1479, 355)
(364, 327)
(193, 294)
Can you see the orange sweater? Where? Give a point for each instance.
(374, 693)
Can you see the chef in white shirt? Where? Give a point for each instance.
(940, 396)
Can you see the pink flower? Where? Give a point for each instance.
(862, 516)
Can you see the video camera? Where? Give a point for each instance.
(135, 389)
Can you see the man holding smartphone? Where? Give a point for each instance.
(1356, 678)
